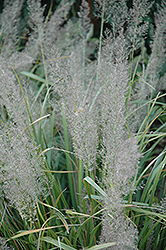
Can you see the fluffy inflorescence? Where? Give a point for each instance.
(119, 150)
(76, 94)
(118, 228)
(22, 179)
(20, 172)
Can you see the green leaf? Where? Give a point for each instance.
(93, 233)
(60, 215)
(33, 76)
(103, 246)
(57, 243)
(68, 162)
(92, 183)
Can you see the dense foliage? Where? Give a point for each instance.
(82, 125)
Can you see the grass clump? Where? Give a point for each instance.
(82, 161)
